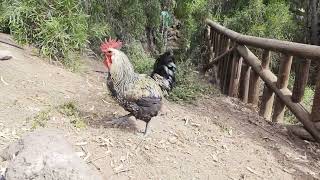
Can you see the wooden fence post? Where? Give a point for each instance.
(301, 80)
(253, 97)
(268, 95)
(223, 63)
(216, 43)
(244, 82)
(235, 74)
(218, 51)
(315, 114)
(212, 43)
(283, 79)
(227, 67)
(207, 54)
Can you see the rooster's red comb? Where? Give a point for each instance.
(111, 43)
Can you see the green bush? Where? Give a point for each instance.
(57, 28)
(271, 20)
(189, 86)
(142, 62)
(61, 29)
(127, 19)
(192, 14)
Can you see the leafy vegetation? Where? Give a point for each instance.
(142, 62)
(70, 110)
(41, 119)
(189, 85)
(62, 29)
(57, 28)
(307, 102)
(272, 20)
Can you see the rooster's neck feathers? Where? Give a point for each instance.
(122, 72)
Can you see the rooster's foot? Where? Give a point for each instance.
(146, 131)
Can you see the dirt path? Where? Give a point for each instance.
(216, 138)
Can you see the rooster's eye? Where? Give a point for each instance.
(109, 52)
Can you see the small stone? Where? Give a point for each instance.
(173, 140)
(214, 157)
(122, 158)
(5, 55)
(162, 141)
(146, 147)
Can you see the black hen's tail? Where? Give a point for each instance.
(164, 71)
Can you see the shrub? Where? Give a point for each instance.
(63, 28)
(192, 14)
(141, 61)
(57, 28)
(189, 86)
(126, 17)
(272, 20)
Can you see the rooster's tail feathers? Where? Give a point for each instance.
(164, 71)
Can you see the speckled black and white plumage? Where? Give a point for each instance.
(137, 93)
(143, 108)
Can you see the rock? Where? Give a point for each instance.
(173, 140)
(45, 155)
(5, 55)
(146, 147)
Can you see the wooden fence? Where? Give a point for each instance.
(240, 73)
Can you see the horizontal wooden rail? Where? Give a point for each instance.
(213, 62)
(296, 49)
(239, 73)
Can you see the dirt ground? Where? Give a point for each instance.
(214, 138)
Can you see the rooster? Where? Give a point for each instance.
(141, 95)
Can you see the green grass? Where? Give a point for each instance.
(306, 101)
(57, 28)
(70, 110)
(41, 119)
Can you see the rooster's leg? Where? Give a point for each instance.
(146, 129)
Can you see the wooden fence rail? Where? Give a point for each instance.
(240, 73)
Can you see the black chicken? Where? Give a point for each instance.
(165, 69)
